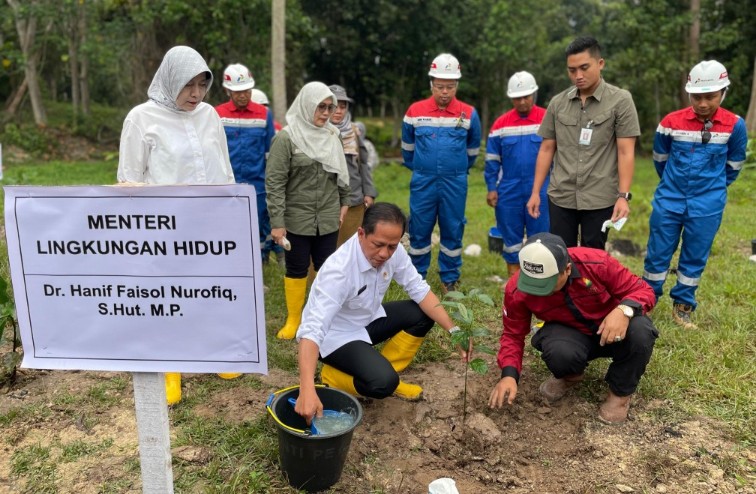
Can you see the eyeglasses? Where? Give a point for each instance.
(322, 108)
(705, 134)
(444, 88)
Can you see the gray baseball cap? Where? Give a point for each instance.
(340, 93)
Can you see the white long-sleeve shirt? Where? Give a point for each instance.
(167, 147)
(348, 292)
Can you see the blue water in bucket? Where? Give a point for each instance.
(332, 421)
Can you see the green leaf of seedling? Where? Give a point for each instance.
(460, 338)
(454, 295)
(451, 304)
(456, 316)
(479, 365)
(479, 332)
(4, 297)
(464, 314)
(486, 299)
(462, 319)
(485, 349)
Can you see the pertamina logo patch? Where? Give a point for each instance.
(532, 267)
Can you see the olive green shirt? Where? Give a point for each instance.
(585, 176)
(301, 196)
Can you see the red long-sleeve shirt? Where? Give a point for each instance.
(597, 285)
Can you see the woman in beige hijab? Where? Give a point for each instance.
(307, 186)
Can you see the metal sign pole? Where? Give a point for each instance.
(153, 432)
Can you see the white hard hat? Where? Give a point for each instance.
(237, 77)
(445, 66)
(707, 77)
(259, 97)
(521, 84)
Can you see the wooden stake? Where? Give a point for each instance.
(153, 431)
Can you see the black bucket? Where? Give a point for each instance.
(312, 463)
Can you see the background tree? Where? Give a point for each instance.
(728, 31)
(278, 59)
(72, 22)
(502, 49)
(27, 17)
(751, 115)
(380, 50)
(652, 71)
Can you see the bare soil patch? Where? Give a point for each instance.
(531, 447)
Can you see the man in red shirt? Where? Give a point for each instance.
(592, 307)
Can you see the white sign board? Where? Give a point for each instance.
(140, 279)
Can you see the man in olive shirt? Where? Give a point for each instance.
(589, 133)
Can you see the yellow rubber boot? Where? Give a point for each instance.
(172, 387)
(294, 289)
(409, 392)
(337, 379)
(229, 375)
(399, 351)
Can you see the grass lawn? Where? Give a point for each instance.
(707, 372)
(710, 371)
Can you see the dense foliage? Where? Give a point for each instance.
(379, 49)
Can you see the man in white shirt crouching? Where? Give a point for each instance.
(345, 316)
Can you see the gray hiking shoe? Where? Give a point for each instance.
(681, 315)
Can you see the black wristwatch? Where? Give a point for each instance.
(625, 195)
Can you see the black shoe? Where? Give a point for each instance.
(452, 286)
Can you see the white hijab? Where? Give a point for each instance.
(180, 65)
(321, 144)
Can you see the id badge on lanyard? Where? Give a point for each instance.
(585, 134)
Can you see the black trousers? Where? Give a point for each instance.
(567, 351)
(567, 222)
(373, 374)
(306, 247)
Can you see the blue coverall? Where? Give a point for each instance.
(440, 147)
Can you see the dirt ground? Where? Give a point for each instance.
(400, 447)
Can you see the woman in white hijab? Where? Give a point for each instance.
(307, 186)
(175, 137)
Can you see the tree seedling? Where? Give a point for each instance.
(462, 309)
